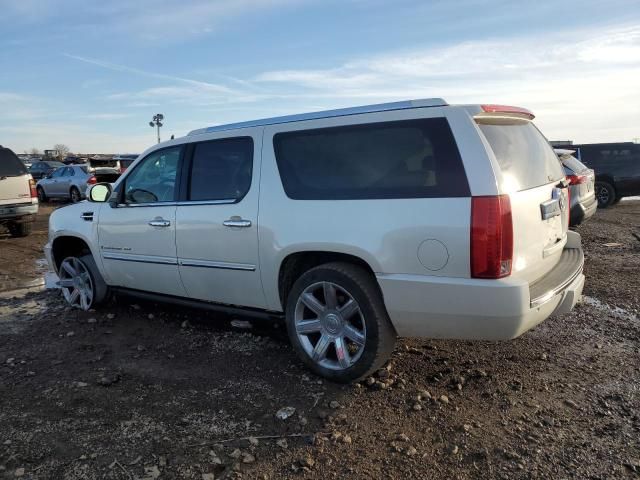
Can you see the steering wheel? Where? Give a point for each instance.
(138, 195)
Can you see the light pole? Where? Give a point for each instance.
(157, 122)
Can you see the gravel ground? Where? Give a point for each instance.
(137, 390)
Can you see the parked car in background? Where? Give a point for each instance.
(581, 187)
(27, 162)
(43, 168)
(617, 168)
(352, 226)
(125, 161)
(71, 182)
(18, 200)
(73, 160)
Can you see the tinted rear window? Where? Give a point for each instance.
(10, 164)
(573, 163)
(405, 159)
(525, 157)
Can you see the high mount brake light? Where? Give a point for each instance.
(508, 109)
(491, 237)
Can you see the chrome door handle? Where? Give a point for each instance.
(236, 221)
(159, 222)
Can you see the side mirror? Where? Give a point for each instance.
(100, 192)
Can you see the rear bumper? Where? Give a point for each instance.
(582, 211)
(23, 212)
(423, 306)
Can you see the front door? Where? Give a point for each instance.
(138, 236)
(53, 187)
(216, 224)
(63, 184)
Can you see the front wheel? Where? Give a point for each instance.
(82, 285)
(337, 322)
(605, 193)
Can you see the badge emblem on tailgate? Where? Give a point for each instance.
(554, 206)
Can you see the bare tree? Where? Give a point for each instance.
(33, 151)
(62, 149)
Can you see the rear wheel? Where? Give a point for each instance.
(605, 193)
(337, 322)
(74, 193)
(20, 229)
(42, 197)
(82, 285)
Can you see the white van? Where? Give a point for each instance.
(18, 197)
(354, 226)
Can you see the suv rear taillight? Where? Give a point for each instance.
(576, 179)
(32, 187)
(92, 180)
(491, 237)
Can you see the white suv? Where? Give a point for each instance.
(18, 197)
(355, 226)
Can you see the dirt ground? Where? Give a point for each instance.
(139, 390)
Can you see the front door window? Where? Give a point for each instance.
(154, 179)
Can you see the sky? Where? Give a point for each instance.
(91, 74)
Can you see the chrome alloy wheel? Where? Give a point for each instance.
(330, 326)
(75, 281)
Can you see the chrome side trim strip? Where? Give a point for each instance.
(140, 258)
(186, 262)
(226, 201)
(380, 107)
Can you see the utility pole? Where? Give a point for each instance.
(157, 122)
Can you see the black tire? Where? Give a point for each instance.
(20, 229)
(605, 193)
(42, 197)
(74, 195)
(380, 335)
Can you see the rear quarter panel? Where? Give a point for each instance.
(387, 234)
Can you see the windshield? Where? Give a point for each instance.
(524, 155)
(10, 165)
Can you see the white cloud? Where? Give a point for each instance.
(581, 84)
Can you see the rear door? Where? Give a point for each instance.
(532, 176)
(217, 221)
(14, 179)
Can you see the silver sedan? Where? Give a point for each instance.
(69, 182)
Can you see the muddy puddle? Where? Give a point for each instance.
(32, 280)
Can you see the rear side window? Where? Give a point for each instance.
(405, 159)
(10, 164)
(221, 169)
(525, 157)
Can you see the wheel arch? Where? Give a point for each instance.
(608, 179)
(64, 246)
(296, 263)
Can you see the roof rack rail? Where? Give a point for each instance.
(380, 107)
